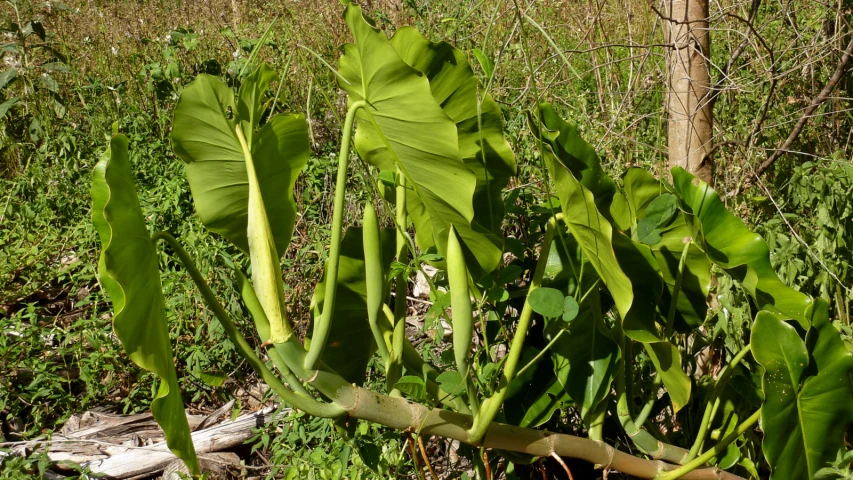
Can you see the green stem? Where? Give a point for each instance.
(541, 353)
(653, 396)
(254, 306)
(639, 436)
(297, 400)
(713, 402)
(676, 291)
(394, 367)
(414, 363)
(491, 405)
(323, 327)
(714, 451)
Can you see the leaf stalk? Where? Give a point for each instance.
(323, 327)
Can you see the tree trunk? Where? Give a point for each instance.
(689, 79)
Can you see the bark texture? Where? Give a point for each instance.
(689, 108)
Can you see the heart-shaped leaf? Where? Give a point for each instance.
(807, 392)
(479, 124)
(203, 136)
(402, 126)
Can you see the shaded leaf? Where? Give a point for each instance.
(647, 232)
(660, 210)
(743, 254)
(585, 360)
(570, 309)
(7, 76)
(351, 344)
(412, 386)
(547, 302)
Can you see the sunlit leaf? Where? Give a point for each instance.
(728, 243)
(807, 391)
(583, 190)
(128, 270)
(203, 136)
(403, 127)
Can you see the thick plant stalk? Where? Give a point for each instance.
(404, 415)
(297, 400)
(323, 326)
(266, 269)
(491, 405)
(401, 414)
(374, 277)
(463, 316)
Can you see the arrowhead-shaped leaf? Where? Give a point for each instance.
(203, 136)
(478, 120)
(807, 392)
(128, 270)
(403, 127)
(571, 160)
(743, 254)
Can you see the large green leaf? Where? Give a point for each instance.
(128, 270)
(478, 121)
(807, 392)
(203, 136)
(402, 126)
(641, 190)
(351, 344)
(743, 254)
(639, 324)
(638, 262)
(590, 229)
(575, 154)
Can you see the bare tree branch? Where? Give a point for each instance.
(816, 102)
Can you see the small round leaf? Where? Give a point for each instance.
(570, 309)
(547, 302)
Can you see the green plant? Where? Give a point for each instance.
(617, 292)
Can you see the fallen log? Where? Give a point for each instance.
(129, 462)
